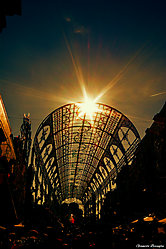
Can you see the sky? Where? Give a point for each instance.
(115, 50)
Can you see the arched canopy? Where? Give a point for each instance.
(77, 152)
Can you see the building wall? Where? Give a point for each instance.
(7, 158)
(6, 144)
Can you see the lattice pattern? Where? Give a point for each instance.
(79, 145)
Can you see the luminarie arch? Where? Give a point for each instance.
(78, 156)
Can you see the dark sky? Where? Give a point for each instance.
(116, 49)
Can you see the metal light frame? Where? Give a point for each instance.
(75, 156)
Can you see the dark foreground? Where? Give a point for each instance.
(137, 235)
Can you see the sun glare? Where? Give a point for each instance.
(87, 108)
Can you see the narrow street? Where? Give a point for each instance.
(82, 124)
(149, 233)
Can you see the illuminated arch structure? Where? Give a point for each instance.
(78, 157)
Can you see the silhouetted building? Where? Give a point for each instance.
(22, 174)
(15, 175)
(7, 157)
(8, 8)
(19, 177)
(141, 187)
(149, 171)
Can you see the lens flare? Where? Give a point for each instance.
(88, 107)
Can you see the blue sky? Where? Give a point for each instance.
(117, 48)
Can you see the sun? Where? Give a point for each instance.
(87, 108)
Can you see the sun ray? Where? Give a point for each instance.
(77, 68)
(118, 77)
(27, 91)
(87, 108)
(157, 94)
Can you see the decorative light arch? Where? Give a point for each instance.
(75, 152)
